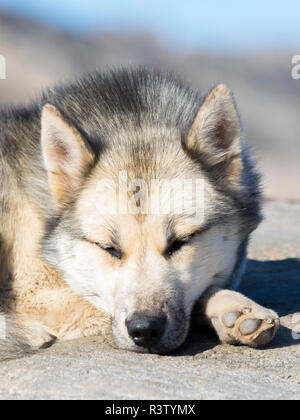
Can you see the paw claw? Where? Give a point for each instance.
(246, 311)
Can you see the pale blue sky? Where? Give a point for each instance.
(218, 25)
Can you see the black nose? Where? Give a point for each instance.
(146, 331)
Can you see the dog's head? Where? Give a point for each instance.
(152, 219)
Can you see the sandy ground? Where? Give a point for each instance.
(202, 369)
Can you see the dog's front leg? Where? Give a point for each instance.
(60, 314)
(237, 319)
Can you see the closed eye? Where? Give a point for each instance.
(174, 247)
(114, 252)
(179, 243)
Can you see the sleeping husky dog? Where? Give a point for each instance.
(126, 201)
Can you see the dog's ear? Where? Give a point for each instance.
(215, 139)
(65, 154)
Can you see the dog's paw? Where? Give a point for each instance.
(251, 325)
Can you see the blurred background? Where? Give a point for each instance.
(248, 45)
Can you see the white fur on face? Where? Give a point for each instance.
(87, 274)
(212, 263)
(145, 280)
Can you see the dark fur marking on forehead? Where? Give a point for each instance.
(102, 104)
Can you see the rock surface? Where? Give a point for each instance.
(202, 369)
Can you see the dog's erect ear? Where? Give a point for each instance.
(215, 137)
(65, 154)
